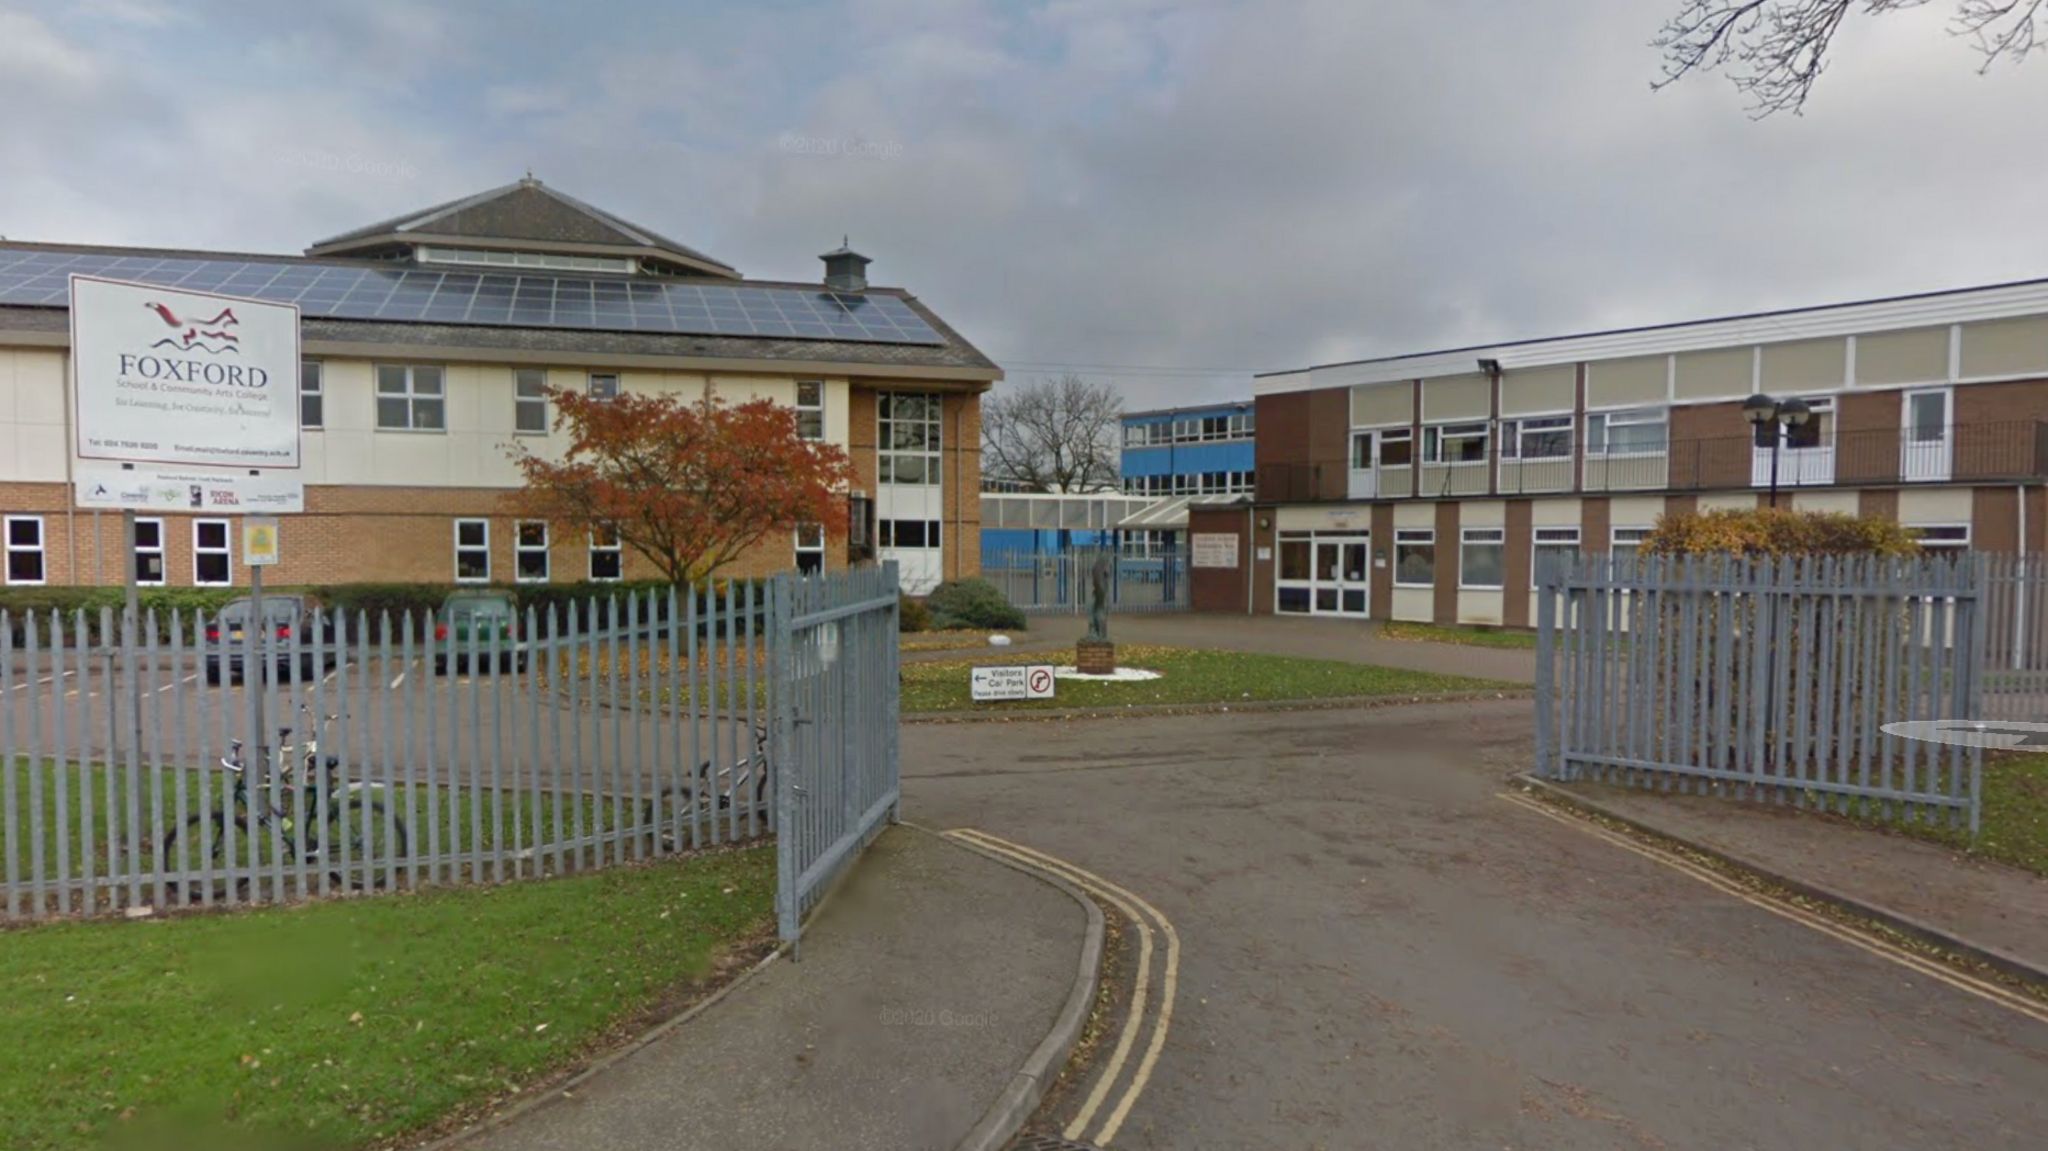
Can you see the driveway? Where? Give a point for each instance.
(1378, 952)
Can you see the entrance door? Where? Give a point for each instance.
(1340, 574)
(1926, 449)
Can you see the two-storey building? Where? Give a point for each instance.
(1201, 450)
(1429, 486)
(430, 343)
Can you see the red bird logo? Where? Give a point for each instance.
(198, 332)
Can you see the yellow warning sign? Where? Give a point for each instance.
(259, 540)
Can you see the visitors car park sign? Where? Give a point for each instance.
(1013, 681)
(178, 396)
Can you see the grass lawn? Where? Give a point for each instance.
(1189, 675)
(2015, 816)
(955, 640)
(1469, 636)
(345, 1022)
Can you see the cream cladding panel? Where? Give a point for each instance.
(1805, 365)
(1912, 357)
(1468, 397)
(2006, 347)
(1616, 383)
(1539, 390)
(1721, 372)
(1374, 405)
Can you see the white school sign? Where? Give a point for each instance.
(1013, 681)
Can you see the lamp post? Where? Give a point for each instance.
(1772, 417)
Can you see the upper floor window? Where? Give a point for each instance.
(909, 436)
(431, 254)
(312, 406)
(1819, 428)
(810, 409)
(1536, 438)
(410, 398)
(1454, 444)
(604, 385)
(1625, 432)
(530, 401)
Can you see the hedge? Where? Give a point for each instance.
(1778, 532)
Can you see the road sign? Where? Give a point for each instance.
(1013, 681)
(161, 376)
(259, 541)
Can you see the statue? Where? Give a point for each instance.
(1098, 599)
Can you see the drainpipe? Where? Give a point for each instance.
(1251, 554)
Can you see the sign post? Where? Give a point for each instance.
(259, 551)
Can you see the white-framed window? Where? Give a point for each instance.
(810, 409)
(1536, 438)
(1627, 431)
(430, 254)
(1819, 429)
(530, 551)
(1397, 447)
(909, 437)
(213, 561)
(604, 385)
(25, 550)
(149, 552)
(472, 551)
(607, 554)
(1454, 443)
(1482, 558)
(312, 396)
(1626, 542)
(909, 533)
(810, 548)
(411, 398)
(530, 401)
(1551, 547)
(1414, 557)
(1941, 539)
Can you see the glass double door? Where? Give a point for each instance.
(1324, 573)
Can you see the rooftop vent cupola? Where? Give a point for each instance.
(845, 269)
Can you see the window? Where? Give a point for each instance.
(1397, 447)
(530, 401)
(1481, 556)
(1454, 444)
(409, 398)
(530, 551)
(607, 554)
(810, 409)
(1630, 431)
(910, 533)
(25, 549)
(312, 409)
(1626, 542)
(1536, 438)
(1819, 428)
(1553, 548)
(604, 385)
(149, 552)
(909, 428)
(1414, 557)
(810, 548)
(472, 551)
(212, 563)
(1944, 540)
(430, 254)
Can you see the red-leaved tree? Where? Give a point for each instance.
(690, 484)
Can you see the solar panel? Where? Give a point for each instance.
(426, 295)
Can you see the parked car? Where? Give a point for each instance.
(473, 618)
(284, 616)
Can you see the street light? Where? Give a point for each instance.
(1771, 419)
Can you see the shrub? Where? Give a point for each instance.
(1778, 532)
(912, 615)
(971, 603)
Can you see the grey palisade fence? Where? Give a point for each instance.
(1764, 679)
(611, 730)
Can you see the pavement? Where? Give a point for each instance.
(1344, 640)
(924, 984)
(1375, 949)
(1992, 909)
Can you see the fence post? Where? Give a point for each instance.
(1546, 641)
(892, 693)
(782, 757)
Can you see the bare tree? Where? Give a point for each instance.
(1052, 435)
(1774, 50)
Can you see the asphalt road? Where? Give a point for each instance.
(1378, 952)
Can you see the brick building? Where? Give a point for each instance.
(1426, 487)
(428, 340)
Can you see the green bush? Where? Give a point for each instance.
(971, 603)
(1778, 532)
(912, 615)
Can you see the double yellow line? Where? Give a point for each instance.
(1868, 941)
(1149, 921)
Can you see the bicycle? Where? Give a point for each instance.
(355, 817)
(713, 798)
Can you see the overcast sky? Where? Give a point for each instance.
(1168, 195)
